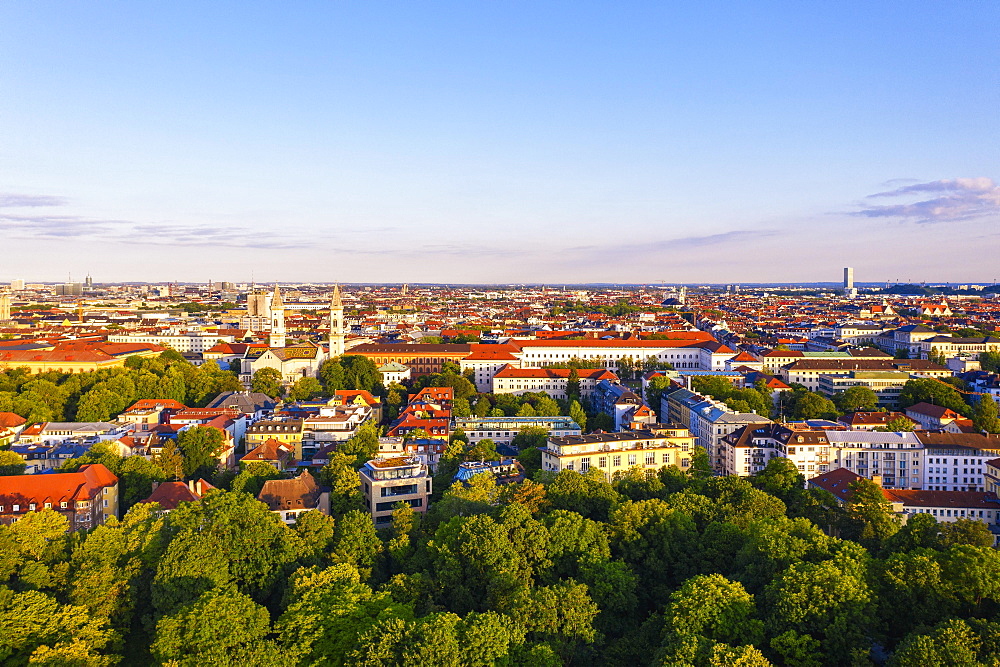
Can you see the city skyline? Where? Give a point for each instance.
(565, 143)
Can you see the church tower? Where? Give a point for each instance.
(336, 323)
(277, 335)
(4, 306)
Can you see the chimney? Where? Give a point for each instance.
(155, 484)
(191, 485)
(198, 487)
(877, 479)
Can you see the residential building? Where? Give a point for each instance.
(188, 342)
(944, 506)
(506, 471)
(869, 421)
(552, 381)
(87, 498)
(887, 385)
(896, 458)
(386, 482)
(618, 452)
(949, 347)
(279, 454)
(503, 430)
(288, 498)
(289, 431)
(808, 372)
(169, 495)
(931, 417)
(957, 461)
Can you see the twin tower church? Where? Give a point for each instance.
(292, 361)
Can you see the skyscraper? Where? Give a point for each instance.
(848, 278)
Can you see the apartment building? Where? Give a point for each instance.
(957, 461)
(808, 372)
(386, 482)
(87, 498)
(898, 458)
(887, 385)
(618, 452)
(503, 430)
(552, 381)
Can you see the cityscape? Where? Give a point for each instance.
(512, 334)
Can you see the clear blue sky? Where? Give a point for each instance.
(500, 141)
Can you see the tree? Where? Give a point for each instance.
(305, 388)
(873, 520)
(483, 407)
(344, 483)
(363, 445)
(577, 414)
(526, 411)
(331, 375)
(11, 463)
(360, 373)
(965, 531)
(484, 450)
(266, 381)
(715, 608)
(985, 414)
(990, 361)
(897, 425)
(200, 446)
(573, 385)
(252, 477)
(220, 627)
(929, 390)
(856, 399)
(811, 405)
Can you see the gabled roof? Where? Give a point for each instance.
(170, 494)
(269, 450)
(56, 487)
(11, 420)
(301, 492)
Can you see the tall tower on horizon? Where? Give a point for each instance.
(277, 336)
(336, 323)
(4, 306)
(848, 278)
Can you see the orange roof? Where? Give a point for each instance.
(615, 342)
(10, 420)
(55, 488)
(509, 371)
(154, 403)
(170, 494)
(269, 450)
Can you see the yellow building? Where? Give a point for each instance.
(617, 452)
(288, 432)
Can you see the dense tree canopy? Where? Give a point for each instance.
(653, 567)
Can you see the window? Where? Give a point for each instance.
(685, 463)
(616, 460)
(62, 505)
(602, 462)
(632, 459)
(650, 458)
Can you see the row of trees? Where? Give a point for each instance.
(101, 395)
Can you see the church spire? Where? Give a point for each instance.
(277, 335)
(336, 323)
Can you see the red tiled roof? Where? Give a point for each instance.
(170, 494)
(555, 373)
(55, 488)
(10, 420)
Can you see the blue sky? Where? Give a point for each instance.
(499, 142)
